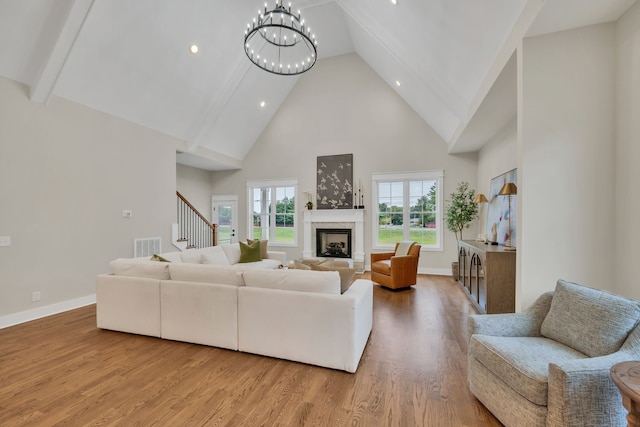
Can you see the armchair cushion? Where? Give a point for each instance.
(592, 321)
(522, 362)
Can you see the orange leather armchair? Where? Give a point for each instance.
(396, 272)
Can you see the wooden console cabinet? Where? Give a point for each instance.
(487, 273)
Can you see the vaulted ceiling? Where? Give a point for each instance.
(131, 59)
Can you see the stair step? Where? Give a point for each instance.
(191, 246)
(183, 240)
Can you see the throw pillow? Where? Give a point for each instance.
(263, 247)
(591, 321)
(249, 253)
(156, 257)
(300, 266)
(215, 256)
(346, 275)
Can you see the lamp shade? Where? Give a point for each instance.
(508, 189)
(480, 198)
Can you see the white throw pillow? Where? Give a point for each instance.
(172, 256)
(323, 282)
(215, 256)
(232, 251)
(140, 267)
(204, 273)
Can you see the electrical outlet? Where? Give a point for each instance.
(35, 296)
(127, 214)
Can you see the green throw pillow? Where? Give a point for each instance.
(156, 257)
(263, 247)
(250, 253)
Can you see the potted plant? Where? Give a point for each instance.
(460, 213)
(309, 203)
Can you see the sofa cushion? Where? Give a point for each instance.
(325, 282)
(270, 264)
(382, 267)
(192, 256)
(346, 274)
(263, 247)
(232, 251)
(249, 253)
(206, 273)
(591, 321)
(215, 256)
(172, 256)
(522, 362)
(140, 267)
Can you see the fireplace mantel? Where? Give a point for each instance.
(354, 216)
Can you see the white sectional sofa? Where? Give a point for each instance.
(296, 315)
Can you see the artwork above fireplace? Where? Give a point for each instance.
(333, 242)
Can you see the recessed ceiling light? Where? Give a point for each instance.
(193, 49)
(397, 82)
(263, 104)
(394, 1)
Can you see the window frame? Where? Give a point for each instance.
(405, 178)
(272, 184)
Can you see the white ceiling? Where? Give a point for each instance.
(131, 59)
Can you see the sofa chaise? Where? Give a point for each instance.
(549, 365)
(296, 315)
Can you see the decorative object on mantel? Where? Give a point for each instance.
(359, 198)
(335, 182)
(508, 190)
(280, 41)
(499, 211)
(309, 203)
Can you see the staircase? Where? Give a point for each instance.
(193, 230)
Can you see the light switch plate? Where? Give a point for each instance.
(5, 241)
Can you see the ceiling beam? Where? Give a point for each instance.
(44, 84)
(529, 13)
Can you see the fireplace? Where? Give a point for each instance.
(333, 242)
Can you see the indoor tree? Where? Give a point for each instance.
(461, 209)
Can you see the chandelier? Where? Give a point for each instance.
(279, 42)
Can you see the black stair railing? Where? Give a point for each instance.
(193, 227)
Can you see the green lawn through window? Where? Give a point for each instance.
(394, 235)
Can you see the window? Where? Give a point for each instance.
(272, 211)
(408, 207)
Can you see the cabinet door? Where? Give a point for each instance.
(462, 265)
(482, 281)
(467, 271)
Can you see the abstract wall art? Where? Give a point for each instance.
(498, 210)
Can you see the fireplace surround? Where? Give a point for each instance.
(352, 219)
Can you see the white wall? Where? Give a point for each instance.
(195, 185)
(339, 107)
(567, 167)
(628, 154)
(498, 156)
(66, 174)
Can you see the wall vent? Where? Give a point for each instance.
(146, 247)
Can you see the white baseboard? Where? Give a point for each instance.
(44, 311)
(435, 271)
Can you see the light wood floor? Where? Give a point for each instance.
(62, 370)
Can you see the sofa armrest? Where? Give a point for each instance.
(581, 392)
(381, 256)
(277, 255)
(525, 324)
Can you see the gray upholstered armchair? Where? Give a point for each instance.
(549, 365)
